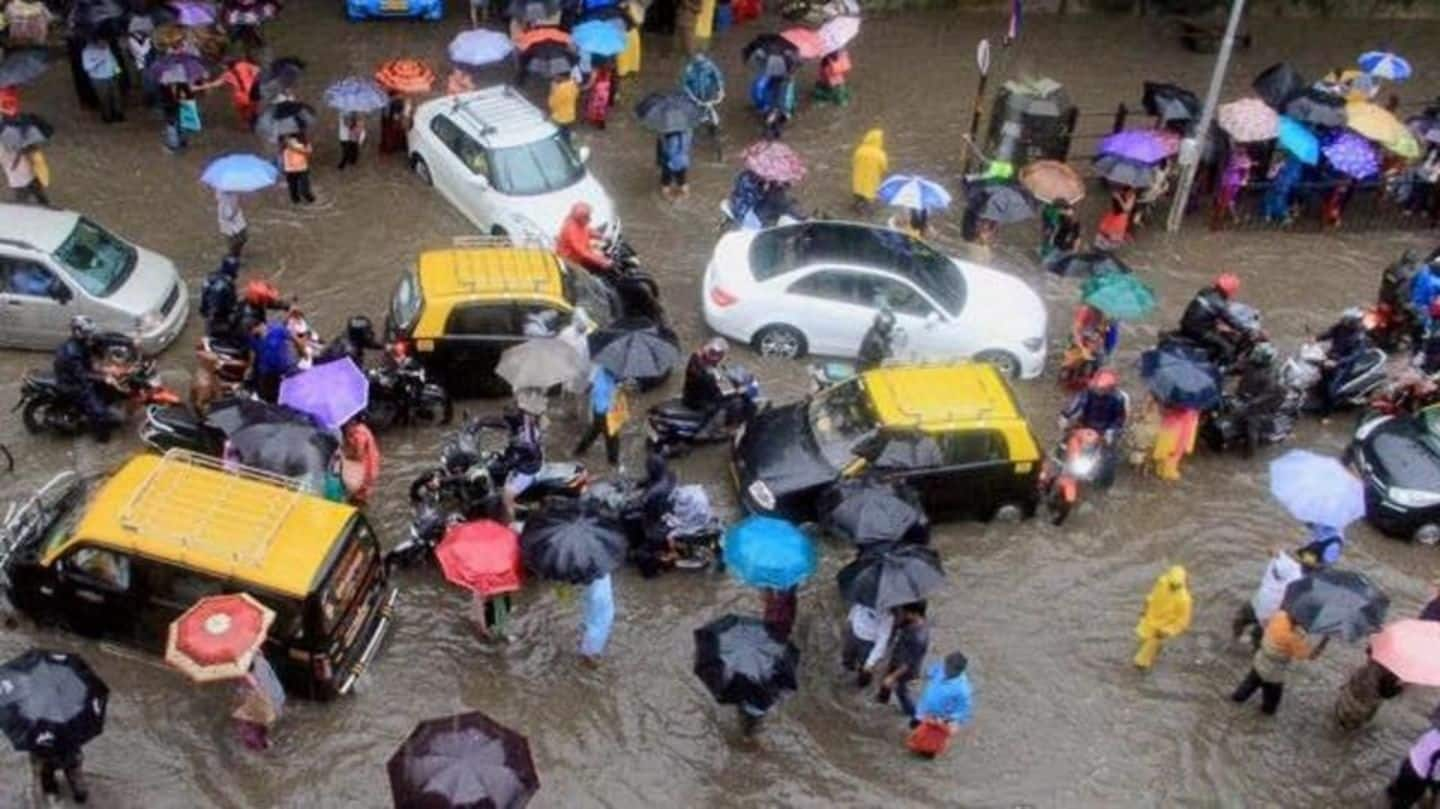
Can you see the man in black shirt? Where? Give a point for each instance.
(907, 657)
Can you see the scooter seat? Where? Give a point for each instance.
(676, 409)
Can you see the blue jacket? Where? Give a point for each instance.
(274, 353)
(1102, 413)
(702, 80)
(673, 151)
(950, 700)
(1423, 289)
(602, 390)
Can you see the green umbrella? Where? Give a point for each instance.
(1119, 295)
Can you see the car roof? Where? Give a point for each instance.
(936, 398)
(188, 511)
(491, 273)
(35, 227)
(495, 116)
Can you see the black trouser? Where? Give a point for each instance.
(236, 241)
(1270, 693)
(670, 177)
(107, 93)
(46, 767)
(34, 191)
(597, 429)
(1408, 788)
(349, 153)
(299, 182)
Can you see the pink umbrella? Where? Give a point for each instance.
(838, 32)
(774, 161)
(1248, 120)
(806, 41)
(193, 14)
(1410, 649)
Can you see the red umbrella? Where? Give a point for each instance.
(482, 555)
(536, 36)
(405, 76)
(809, 43)
(774, 161)
(218, 637)
(1410, 649)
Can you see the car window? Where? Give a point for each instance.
(972, 446)
(830, 285)
(180, 589)
(106, 568)
(405, 307)
(97, 260)
(783, 249)
(470, 154)
(877, 292)
(20, 276)
(476, 320)
(535, 168)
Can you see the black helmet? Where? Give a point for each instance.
(885, 321)
(1262, 354)
(82, 327)
(360, 330)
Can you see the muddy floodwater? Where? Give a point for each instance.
(1045, 615)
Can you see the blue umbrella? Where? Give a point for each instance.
(916, 193)
(480, 47)
(598, 37)
(1384, 65)
(356, 94)
(239, 173)
(333, 393)
(1317, 489)
(1298, 140)
(1180, 380)
(769, 552)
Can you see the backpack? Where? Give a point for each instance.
(217, 291)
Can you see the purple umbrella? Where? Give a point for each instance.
(1352, 155)
(1140, 145)
(193, 14)
(333, 392)
(177, 68)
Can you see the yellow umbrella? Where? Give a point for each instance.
(1375, 122)
(1406, 146)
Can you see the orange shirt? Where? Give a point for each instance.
(296, 156)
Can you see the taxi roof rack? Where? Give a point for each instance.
(505, 270)
(213, 523)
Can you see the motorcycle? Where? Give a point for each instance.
(168, 427)
(402, 395)
(1391, 321)
(129, 382)
(427, 528)
(1350, 383)
(1079, 460)
(671, 428)
(1409, 394)
(686, 537)
(469, 479)
(1227, 426)
(638, 290)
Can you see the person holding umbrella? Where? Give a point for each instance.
(231, 176)
(483, 556)
(1284, 641)
(608, 409)
(102, 68)
(563, 100)
(1417, 772)
(907, 657)
(241, 75)
(51, 705)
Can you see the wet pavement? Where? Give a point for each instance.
(1045, 615)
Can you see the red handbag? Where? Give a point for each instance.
(929, 739)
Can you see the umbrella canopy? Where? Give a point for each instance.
(759, 50)
(1411, 650)
(544, 35)
(285, 118)
(230, 416)
(742, 662)
(1384, 65)
(356, 94)
(1352, 155)
(774, 161)
(598, 37)
(565, 542)
(1317, 489)
(769, 552)
(177, 68)
(837, 32)
(1121, 171)
(1179, 380)
(1140, 145)
(1317, 108)
(193, 14)
(533, 11)
(913, 192)
(240, 173)
(1119, 295)
(1170, 102)
(405, 76)
(1278, 83)
(333, 393)
(483, 556)
(1297, 139)
(480, 47)
(1248, 120)
(888, 577)
(98, 16)
(1087, 264)
(21, 66)
(1004, 203)
(23, 131)
(1053, 181)
(640, 354)
(280, 74)
(301, 450)
(870, 512)
(1336, 602)
(540, 363)
(900, 450)
(549, 59)
(217, 638)
(807, 42)
(51, 701)
(669, 112)
(1374, 122)
(468, 761)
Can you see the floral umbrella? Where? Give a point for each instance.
(774, 161)
(1248, 120)
(1352, 155)
(1052, 181)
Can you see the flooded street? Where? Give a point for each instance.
(1045, 615)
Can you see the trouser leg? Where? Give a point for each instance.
(1247, 687)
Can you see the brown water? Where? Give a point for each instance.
(1045, 615)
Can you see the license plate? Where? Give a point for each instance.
(395, 6)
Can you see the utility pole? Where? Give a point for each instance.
(1192, 148)
(982, 61)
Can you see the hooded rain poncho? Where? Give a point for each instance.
(1167, 608)
(945, 698)
(870, 165)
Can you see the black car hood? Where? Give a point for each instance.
(777, 449)
(1401, 457)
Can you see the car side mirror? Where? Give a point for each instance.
(61, 293)
(584, 154)
(482, 182)
(932, 320)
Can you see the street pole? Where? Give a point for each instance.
(982, 61)
(1192, 148)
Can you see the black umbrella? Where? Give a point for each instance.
(1087, 264)
(549, 59)
(281, 74)
(1170, 102)
(1277, 84)
(20, 67)
(889, 577)
(285, 118)
(868, 512)
(567, 542)
(1004, 203)
(1121, 171)
(91, 16)
(1316, 107)
(759, 50)
(22, 131)
(468, 761)
(900, 450)
(1181, 379)
(743, 662)
(641, 354)
(1336, 602)
(229, 416)
(669, 112)
(51, 701)
(534, 10)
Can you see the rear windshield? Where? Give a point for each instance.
(348, 577)
(405, 307)
(97, 261)
(535, 168)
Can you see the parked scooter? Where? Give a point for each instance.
(469, 479)
(401, 394)
(683, 534)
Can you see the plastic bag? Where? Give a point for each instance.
(189, 116)
(929, 739)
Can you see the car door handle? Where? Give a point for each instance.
(14, 302)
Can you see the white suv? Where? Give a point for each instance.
(506, 167)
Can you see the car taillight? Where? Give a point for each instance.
(323, 671)
(720, 297)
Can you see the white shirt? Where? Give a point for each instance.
(227, 210)
(874, 626)
(21, 175)
(1278, 574)
(99, 62)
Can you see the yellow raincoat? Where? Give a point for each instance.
(1167, 614)
(628, 62)
(705, 23)
(870, 165)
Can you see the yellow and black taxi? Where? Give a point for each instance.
(952, 431)
(122, 556)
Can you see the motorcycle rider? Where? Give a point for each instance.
(1101, 407)
(1207, 318)
(878, 344)
(359, 335)
(523, 457)
(705, 385)
(75, 375)
(1346, 341)
(1424, 289)
(576, 243)
(260, 298)
(219, 302)
(1260, 393)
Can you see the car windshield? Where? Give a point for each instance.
(840, 418)
(591, 294)
(406, 304)
(97, 261)
(783, 249)
(535, 168)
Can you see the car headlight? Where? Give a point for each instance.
(148, 322)
(761, 494)
(1413, 498)
(1033, 344)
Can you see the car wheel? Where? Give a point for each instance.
(1004, 362)
(1428, 534)
(781, 341)
(1009, 511)
(421, 169)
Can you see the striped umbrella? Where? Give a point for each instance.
(1384, 65)
(405, 76)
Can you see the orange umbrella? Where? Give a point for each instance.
(1410, 649)
(405, 76)
(1051, 180)
(535, 36)
(218, 637)
(808, 42)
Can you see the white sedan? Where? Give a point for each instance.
(815, 287)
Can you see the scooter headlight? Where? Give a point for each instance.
(761, 495)
(1083, 467)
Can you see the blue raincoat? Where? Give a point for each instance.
(1424, 289)
(598, 617)
(702, 80)
(673, 151)
(949, 700)
(1282, 188)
